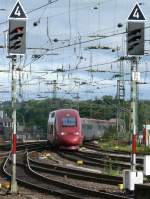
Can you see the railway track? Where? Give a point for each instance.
(22, 146)
(95, 147)
(28, 176)
(113, 155)
(74, 172)
(102, 162)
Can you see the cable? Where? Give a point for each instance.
(77, 43)
(69, 21)
(33, 10)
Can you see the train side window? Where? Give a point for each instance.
(53, 114)
(99, 127)
(89, 126)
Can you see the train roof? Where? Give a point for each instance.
(111, 121)
(64, 110)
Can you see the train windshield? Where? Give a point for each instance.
(69, 121)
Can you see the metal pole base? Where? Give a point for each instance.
(14, 188)
(133, 168)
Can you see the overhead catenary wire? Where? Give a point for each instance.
(72, 68)
(35, 9)
(77, 43)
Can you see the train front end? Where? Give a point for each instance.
(69, 134)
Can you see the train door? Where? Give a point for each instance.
(53, 123)
(51, 128)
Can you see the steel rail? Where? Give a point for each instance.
(56, 188)
(75, 173)
(96, 162)
(114, 154)
(20, 146)
(83, 192)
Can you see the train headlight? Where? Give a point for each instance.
(62, 133)
(76, 133)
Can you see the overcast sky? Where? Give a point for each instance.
(61, 33)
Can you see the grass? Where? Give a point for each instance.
(110, 171)
(120, 146)
(123, 146)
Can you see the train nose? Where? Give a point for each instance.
(70, 139)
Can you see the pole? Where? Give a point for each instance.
(14, 187)
(54, 89)
(118, 110)
(133, 110)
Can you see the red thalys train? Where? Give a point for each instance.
(64, 129)
(67, 130)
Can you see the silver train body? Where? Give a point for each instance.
(93, 129)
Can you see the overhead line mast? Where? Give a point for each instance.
(16, 46)
(135, 49)
(120, 98)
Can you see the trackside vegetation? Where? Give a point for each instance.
(35, 112)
